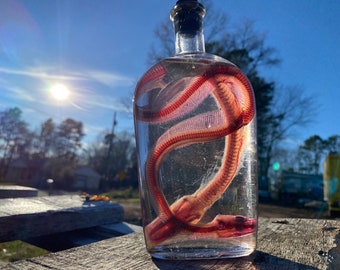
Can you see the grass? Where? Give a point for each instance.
(18, 250)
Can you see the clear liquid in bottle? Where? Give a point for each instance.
(196, 143)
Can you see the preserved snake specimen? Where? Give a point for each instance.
(188, 124)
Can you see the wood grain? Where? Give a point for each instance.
(22, 218)
(282, 244)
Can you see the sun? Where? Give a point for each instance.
(60, 91)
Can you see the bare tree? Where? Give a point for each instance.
(14, 138)
(333, 144)
(112, 157)
(280, 111)
(310, 154)
(291, 110)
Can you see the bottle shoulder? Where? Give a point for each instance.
(188, 65)
(197, 57)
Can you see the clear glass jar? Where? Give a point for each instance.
(195, 127)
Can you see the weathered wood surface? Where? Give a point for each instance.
(61, 241)
(15, 191)
(22, 218)
(282, 244)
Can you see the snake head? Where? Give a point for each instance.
(227, 226)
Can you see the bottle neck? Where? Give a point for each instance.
(191, 44)
(187, 16)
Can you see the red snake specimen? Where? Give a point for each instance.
(234, 97)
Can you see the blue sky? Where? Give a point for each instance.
(98, 49)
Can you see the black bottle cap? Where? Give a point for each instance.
(187, 16)
(179, 1)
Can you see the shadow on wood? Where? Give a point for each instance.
(258, 260)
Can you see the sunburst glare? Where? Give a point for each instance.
(60, 91)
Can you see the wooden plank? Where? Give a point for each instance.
(15, 191)
(282, 244)
(61, 241)
(22, 218)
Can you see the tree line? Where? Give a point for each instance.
(57, 149)
(312, 152)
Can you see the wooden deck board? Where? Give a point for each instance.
(282, 244)
(16, 191)
(22, 218)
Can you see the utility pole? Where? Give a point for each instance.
(112, 134)
(109, 140)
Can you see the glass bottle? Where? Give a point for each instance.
(195, 130)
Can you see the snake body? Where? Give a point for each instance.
(233, 95)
